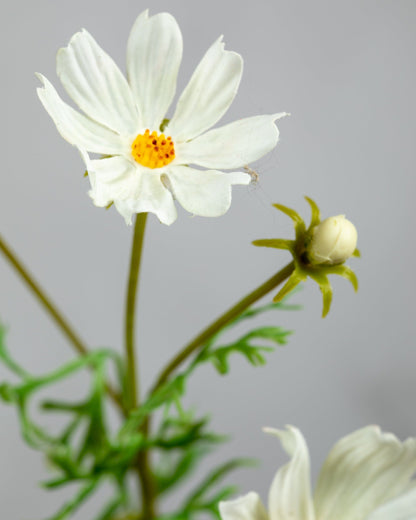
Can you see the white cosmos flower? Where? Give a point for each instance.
(143, 167)
(366, 476)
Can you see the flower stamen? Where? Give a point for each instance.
(153, 150)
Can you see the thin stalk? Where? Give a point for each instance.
(222, 321)
(133, 394)
(52, 309)
(148, 491)
(133, 398)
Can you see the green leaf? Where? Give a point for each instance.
(173, 470)
(219, 357)
(114, 505)
(276, 335)
(245, 345)
(197, 499)
(211, 504)
(165, 394)
(72, 505)
(274, 306)
(110, 510)
(7, 359)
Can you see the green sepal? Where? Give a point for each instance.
(277, 243)
(295, 278)
(357, 253)
(345, 272)
(326, 290)
(315, 213)
(294, 215)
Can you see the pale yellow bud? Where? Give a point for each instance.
(333, 241)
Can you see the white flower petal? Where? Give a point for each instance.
(113, 178)
(247, 507)
(154, 53)
(402, 508)
(233, 145)
(208, 94)
(205, 193)
(290, 492)
(76, 128)
(152, 197)
(363, 470)
(96, 84)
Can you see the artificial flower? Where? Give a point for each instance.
(144, 157)
(366, 476)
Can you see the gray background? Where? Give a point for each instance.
(346, 72)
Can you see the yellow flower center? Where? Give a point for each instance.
(153, 150)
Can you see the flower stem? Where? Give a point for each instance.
(133, 395)
(52, 309)
(223, 320)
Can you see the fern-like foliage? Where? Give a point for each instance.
(88, 453)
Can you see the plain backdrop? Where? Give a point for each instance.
(346, 72)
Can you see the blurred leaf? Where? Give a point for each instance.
(72, 505)
(198, 496)
(246, 346)
(173, 470)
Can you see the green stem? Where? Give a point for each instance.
(129, 331)
(222, 321)
(148, 491)
(133, 396)
(51, 308)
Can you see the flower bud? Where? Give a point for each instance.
(333, 241)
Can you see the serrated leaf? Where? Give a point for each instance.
(275, 334)
(189, 434)
(219, 357)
